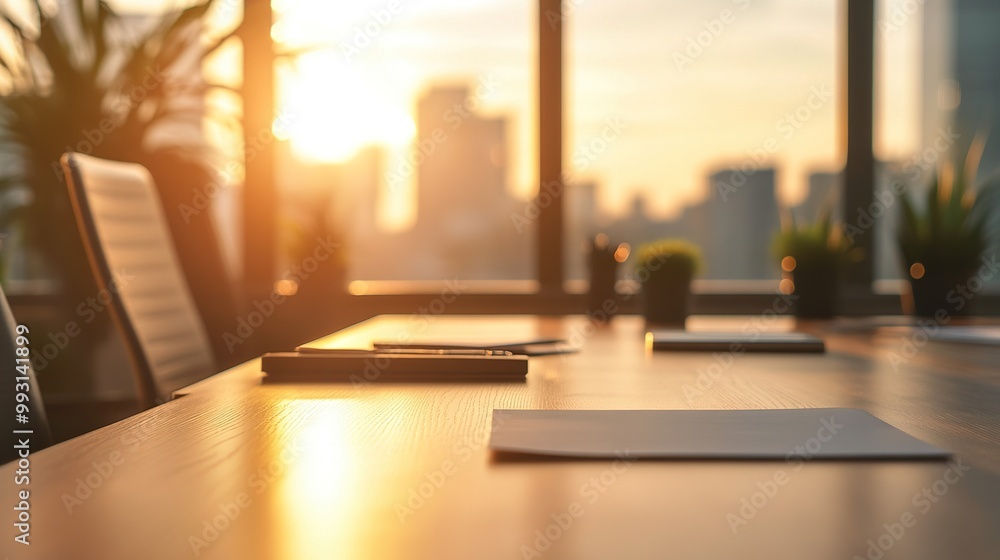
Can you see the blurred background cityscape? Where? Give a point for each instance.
(697, 120)
(448, 193)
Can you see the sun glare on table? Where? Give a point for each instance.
(319, 491)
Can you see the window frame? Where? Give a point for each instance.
(551, 294)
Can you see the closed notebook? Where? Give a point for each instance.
(376, 367)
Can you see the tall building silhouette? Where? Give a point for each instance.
(825, 187)
(743, 215)
(462, 172)
(581, 224)
(463, 226)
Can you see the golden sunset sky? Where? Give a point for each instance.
(696, 85)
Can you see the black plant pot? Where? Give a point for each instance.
(936, 293)
(817, 288)
(665, 296)
(602, 301)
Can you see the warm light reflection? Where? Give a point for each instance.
(786, 286)
(286, 287)
(319, 491)
(358, 288)
(917, 271)
(788, 264)
(622, 252)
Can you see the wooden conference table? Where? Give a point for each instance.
(236, 470)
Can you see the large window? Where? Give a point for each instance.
(698, 120)
(410, 134)
(408, 131)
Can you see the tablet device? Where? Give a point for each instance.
(687, 341)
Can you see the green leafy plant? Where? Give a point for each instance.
(949, 234)
(811, 257)
(665, 268)
(85, 78)
(671, 254)
(818, 243)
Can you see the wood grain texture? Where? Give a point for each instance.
(403, 471)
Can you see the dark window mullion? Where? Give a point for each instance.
(859, 172)
(550, 146)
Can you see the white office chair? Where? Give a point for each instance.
(128, 243)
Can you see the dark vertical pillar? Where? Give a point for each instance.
(259, 195)
(550, 130)
(859, 173)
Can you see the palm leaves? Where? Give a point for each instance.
(91, 80)
(950, 234)
(87, 79)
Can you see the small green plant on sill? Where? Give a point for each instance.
(819, 243)
(674, 254)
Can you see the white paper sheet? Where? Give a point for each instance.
(811, 433)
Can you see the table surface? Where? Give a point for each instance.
(238, 470)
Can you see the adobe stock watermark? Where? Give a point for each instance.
(786, 127)
(94, 137)
(418, 495)
(702, 41)
(228, 512)
(959, 297)
(768, 489)
(583, 156)
(418, 322)
(87, 310)
(708, 376)
(365, 33)
(566, 10)
(590, 493)
(247, 325)
(915, 168)
(253, 145)
(921, 503)
(101, 470)
(454, 117)
(899, 16)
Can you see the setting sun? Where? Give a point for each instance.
(345, 113)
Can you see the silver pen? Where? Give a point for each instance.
(403, 351)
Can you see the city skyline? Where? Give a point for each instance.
(671, 140)
(646, 64)
(462, 228)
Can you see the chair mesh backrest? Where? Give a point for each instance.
(19, 377)
(130, 249)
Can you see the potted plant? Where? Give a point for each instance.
(943, 242)
(664, 270)
(811, 258)
(82, 77)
